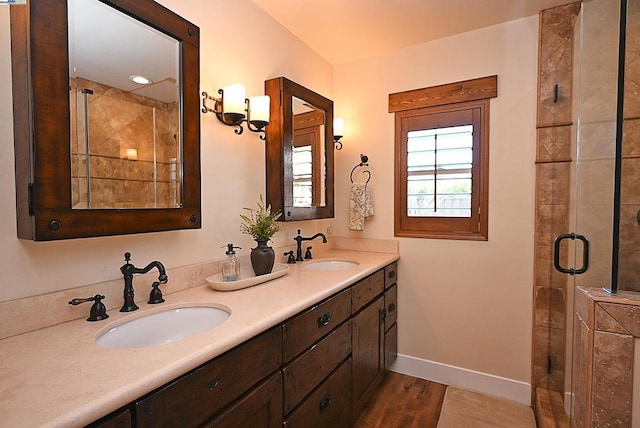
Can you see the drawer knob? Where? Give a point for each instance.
(213, 384)
(392, 307)
(324, 319)
(392, 274)
(326, 402)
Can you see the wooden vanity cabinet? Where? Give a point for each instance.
(201, 394)
(317, 369)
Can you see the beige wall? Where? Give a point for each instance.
(465, 304)
(232, 166)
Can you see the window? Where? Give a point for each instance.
(441, 164)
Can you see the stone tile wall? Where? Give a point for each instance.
(555, 135)
(118, 121)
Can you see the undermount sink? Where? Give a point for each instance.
(163, 327)
(331, 264)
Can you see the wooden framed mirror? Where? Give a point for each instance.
(97, 154)
(299, 152)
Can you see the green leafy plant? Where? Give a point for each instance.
(260, 223)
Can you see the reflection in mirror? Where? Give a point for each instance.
(308, 155)
(125, 139)
(299, 151)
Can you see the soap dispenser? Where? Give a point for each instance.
(231, 266)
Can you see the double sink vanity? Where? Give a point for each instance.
(307, 348)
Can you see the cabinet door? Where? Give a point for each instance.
(260, 408)
(367, 353)
(390, 346)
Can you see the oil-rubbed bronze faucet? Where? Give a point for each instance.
(128, 270)
(299, 240)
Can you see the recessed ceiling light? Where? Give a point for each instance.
(141, 80)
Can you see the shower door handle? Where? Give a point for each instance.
(585, 253)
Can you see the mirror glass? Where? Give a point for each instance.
(125, 136)
(308, 161)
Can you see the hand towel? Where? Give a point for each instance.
(360, 206)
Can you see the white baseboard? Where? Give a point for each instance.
(463, 378)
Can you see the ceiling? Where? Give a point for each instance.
(346, 30)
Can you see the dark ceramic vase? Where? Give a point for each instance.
(262, 258)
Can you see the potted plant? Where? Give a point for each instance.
(261, 225)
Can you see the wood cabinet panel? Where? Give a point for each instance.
(193, 399)
(301, 332)
(365, 290)
(367, 354)
(329, 405)
(309, 369)
(260, 408)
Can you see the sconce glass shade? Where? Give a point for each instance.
(132, 154)
(338, 126)
(259, 109)
(233, 100)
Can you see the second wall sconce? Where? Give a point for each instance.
(232, 108)
(338, 132)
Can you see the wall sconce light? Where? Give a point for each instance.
(132, 154)
(338, 131)
(233, 108)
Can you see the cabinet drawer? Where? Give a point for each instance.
(193, 399)
(302, 331)
(120, 419)
(309, 369)
(390, 307)
(327, 406)
(390, 275)
(262, 407)
(365, 290)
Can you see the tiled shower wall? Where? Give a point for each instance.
(119, 121)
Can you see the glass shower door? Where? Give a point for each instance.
(594, 175)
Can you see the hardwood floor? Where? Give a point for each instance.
(403, 402)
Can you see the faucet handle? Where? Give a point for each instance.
(291, 259)
(156, 294)
(98, 310)
(307, 254)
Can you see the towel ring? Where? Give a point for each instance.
(364, 159)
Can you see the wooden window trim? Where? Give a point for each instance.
(471, 97)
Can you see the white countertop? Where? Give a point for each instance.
(59, 377)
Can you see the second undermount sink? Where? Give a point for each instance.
(163, 327)
(331, 264)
